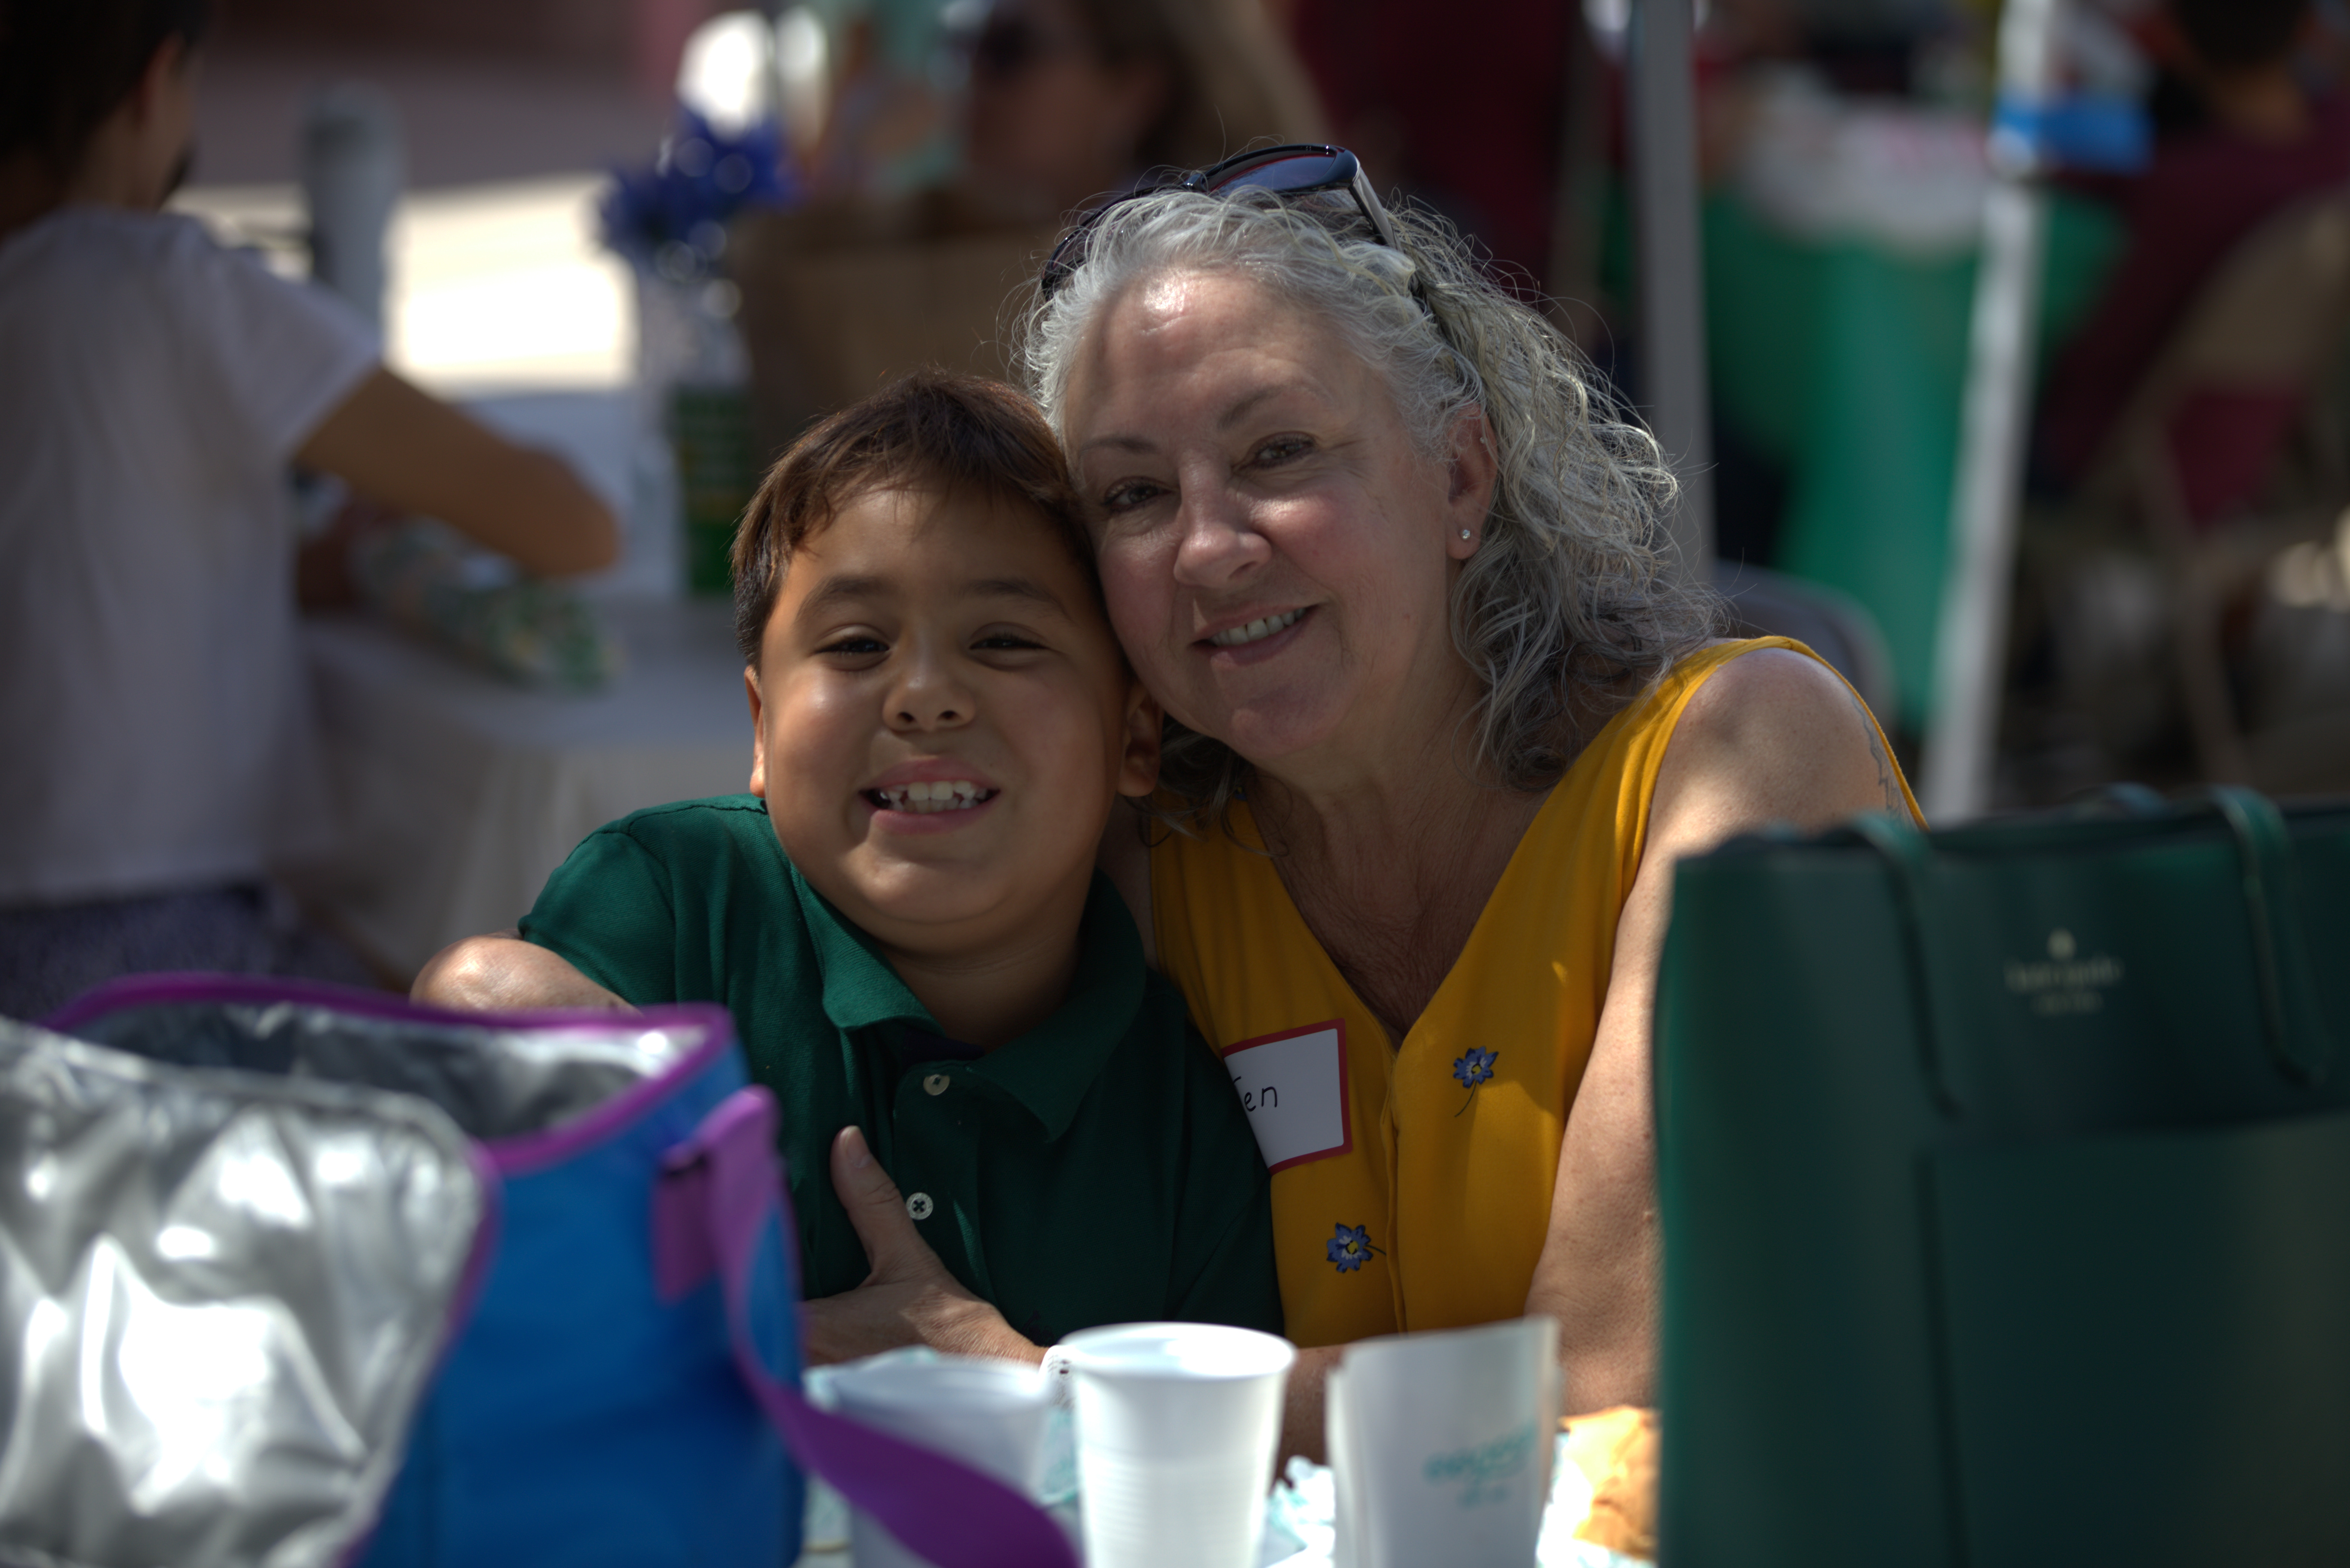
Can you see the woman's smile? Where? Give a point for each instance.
(1256, 630)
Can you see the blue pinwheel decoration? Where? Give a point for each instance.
(671, 219)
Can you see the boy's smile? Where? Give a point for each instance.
(930, 789)
(942, 719)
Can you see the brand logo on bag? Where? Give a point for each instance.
(1488, 1469)
(2064, 983)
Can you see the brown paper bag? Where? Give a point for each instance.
(837, 300)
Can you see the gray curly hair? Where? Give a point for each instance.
(1567, 611)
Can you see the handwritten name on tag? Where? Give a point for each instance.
(1294, 1087)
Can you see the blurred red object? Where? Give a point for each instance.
(1459, 109)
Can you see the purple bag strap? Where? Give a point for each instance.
(936, 1506)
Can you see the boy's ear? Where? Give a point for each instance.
(1138, 771)
(758, 734)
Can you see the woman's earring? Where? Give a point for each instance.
(1464, 532)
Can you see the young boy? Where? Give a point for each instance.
(154, 388)
(903, 913)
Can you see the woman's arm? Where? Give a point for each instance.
(1771, 737)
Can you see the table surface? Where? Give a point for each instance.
(460, 792)
(1299, 1528)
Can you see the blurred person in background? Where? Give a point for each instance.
(2248, 137)
(1068, 102)
(153, 388)
(1071, 100)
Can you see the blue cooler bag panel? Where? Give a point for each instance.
(581, 1416)
(626, 1390)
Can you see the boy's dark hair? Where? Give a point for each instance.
(932, 429)
(2231, 34)
(65, 65)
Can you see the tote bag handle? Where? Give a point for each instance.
(1909, 858)
(720, 1188)
(2296, 1028)
(2291, 1020)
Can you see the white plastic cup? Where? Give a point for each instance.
(988, 1414)
(1178, 1424)
(1441, 1445)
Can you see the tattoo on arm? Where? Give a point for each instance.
(1886, 781)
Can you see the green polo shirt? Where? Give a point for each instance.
(1097, 1169)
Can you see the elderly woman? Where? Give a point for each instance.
(1441, 721)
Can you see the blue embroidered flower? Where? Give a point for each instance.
(1351, 1248)
(1475, 1067)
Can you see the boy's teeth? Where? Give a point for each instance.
(954, 794)
(1256, 629)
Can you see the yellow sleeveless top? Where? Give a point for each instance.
(1419, 1196)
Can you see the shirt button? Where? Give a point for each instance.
(936, 1083)
(919, 1206)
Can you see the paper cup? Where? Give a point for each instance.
(1177, 1428)
(1441, 1445)
(988, 1414)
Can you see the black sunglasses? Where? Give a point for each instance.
(1298, 169)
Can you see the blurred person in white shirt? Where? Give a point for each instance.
(154, 389)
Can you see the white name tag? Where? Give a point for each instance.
(1294, 1087)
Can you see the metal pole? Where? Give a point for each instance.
(1672, 267)
(1971, 642)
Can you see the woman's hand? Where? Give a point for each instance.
(909, 1298)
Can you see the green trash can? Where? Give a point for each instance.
(2004, 1179)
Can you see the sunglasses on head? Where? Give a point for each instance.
(1299, 168)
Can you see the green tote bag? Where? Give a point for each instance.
(2005, 1177)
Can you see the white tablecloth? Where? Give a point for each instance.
(460, 793)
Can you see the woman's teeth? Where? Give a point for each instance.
(1256, 629)
(961, 795)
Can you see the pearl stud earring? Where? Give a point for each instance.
(1464, 532)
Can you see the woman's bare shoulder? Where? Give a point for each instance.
(1774, 735)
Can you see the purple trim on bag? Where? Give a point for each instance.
(529, 1152)
(517, 1155)
(683, 1255)
(936, 1506)
(471, 1282)
(487, 1236)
